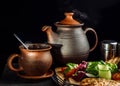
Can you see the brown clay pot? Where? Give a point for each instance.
(36, 60)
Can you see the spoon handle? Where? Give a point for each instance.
(20, 41)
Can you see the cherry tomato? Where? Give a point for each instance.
(116, 76)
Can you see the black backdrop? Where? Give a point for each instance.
(25, 18)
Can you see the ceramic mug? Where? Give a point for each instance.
(36, 60)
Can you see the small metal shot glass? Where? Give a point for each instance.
(108, 49)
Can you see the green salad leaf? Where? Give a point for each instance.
(113, 67)
(93, 67)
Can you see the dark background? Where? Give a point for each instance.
(25, 18)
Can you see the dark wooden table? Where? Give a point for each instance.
(9, 78)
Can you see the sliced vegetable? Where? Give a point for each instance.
(63, 69)
(79, 75)
(113, 67)
(70, 72)
(103, 67)
(70, 69)
(94, 67)
(116, 76)
(90, 75)
(89, 69)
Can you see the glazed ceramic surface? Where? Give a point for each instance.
(72, 38)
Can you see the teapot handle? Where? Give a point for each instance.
(10, 64)
(96, 37)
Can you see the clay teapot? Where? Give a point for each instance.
(72, 38)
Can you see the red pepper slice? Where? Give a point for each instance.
(70, 73)
(63, 68)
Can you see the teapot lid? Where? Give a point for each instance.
(69, 20)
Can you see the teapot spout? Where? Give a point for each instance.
(52, 36)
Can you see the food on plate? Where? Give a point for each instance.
(98, 82)
(95, 66)
(59, 73)
(104, 71)
(115, 60)
(116, 76)
(74, 73)
(99, 69)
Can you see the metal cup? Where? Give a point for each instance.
(108, 49)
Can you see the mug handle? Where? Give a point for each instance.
(10, 65)
(96, 37)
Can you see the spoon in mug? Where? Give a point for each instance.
(20, 41)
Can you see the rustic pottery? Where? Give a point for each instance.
(34, 61)
(71, 40)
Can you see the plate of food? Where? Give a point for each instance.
(94, 73)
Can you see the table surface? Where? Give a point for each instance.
(10, 78)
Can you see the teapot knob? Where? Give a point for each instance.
(69, 20)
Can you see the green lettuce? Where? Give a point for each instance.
(92, 67)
